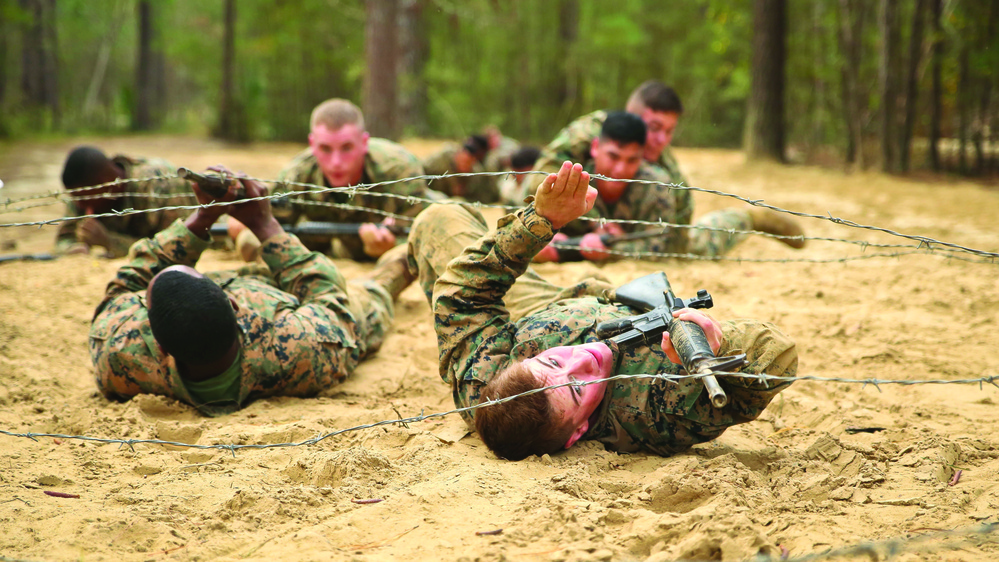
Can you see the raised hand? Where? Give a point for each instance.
(566, 196)
(377, 239)
(712, 330)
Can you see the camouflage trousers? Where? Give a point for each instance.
(442, 232)
(714, 243)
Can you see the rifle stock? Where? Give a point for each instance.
(26, 257)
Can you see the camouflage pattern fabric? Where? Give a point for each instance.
(126, 229)
(302, 330)
(474, 188)
(573, 143)
(490, 309)
(385, 161)
(647, 202)
(498, 159)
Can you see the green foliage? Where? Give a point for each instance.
(518, 64)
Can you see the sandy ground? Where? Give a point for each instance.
(794, 481)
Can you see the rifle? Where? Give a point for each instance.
(652, 294)
(26, 257)
(216, 185)
(575, 254)
(317, 229)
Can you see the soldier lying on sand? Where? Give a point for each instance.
(503, 330)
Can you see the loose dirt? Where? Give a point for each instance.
(796, 480)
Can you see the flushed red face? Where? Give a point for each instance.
(340, 153)
(614, 160)
(659, 126)
(574, 363)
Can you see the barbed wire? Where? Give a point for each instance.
(924, 242)
(697, 257)
(763, 378)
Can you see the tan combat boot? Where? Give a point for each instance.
(247, 246)
(392, 271)
(771, 222)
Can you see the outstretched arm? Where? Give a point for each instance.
(474, 332)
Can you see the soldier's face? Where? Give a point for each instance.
(340, 153)
(659, 126)
(583, 363)
(463, 161)
(615, 160)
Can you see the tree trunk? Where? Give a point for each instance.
(963, 103)
(232, 125)
(937, 71)
(851, 26)
(103, 58)
(51, 59)
(142, 119)
(986, 92)
(765, 115)
(415, 49)
(912, 84)
(566, 93)
(381, 54)
(889, 84)
(4, 34)
(31, 53)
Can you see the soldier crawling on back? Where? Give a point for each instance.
(219, 341)
(503, 330)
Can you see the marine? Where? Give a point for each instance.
(465, 158)
(341, 153)
(87, 167)
(220, 341)
(660, 109)
(503, 330)
(618, 153)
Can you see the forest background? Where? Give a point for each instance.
(899, 85)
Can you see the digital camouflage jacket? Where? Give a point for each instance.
(385, 161)
(298, 332)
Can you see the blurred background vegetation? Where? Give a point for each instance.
(895, 84)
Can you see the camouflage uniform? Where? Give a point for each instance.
(498, 159)
(300, 333)
(645, 202)
(474, 188)
(385, 161)
(126, 229)
(491, 309)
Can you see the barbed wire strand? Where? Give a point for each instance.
(762, 378)
(940, 252)
(696, 257)
(923, 241)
